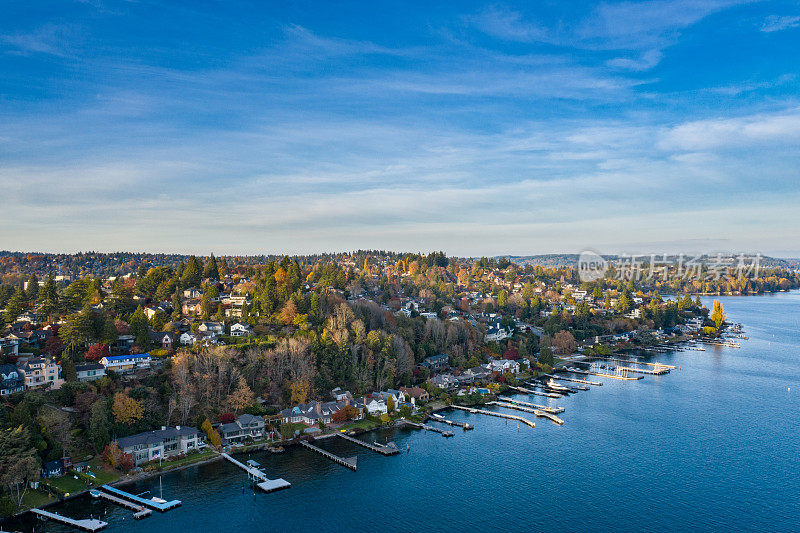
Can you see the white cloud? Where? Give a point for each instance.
(778, 23)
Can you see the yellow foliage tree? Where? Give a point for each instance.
(299, 389)
(126, 410)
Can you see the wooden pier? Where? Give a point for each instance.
(633, 362)
(349, 462)
(258, 477)
(493, 413)
(426, 427)
(553, 410)
(385, 449)
(537, 412)
(602, 374)
(575, 380)
(535, 392)
(157, 504)
(439, 418)
(139, 511)
(86, 524)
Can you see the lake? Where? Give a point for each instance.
(711, 446)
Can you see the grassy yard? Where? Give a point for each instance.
(360, 424)
(35, 498)
(183, 461)
(66, 484)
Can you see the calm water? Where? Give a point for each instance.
(712, 446)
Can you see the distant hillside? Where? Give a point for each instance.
(571, 260)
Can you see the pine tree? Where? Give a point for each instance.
(211, 270)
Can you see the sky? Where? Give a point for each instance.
(470, 127)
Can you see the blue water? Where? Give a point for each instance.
(711, 446)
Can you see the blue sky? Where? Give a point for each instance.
(476, 128)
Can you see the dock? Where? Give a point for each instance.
(535, 392)
(537, 412)
(576, 380)
(385, 449)
(439, 418)
(545, 408)
(493, 413)
(86, 524)
(260, 478)
(139, 511)
(349, 462)
(633, 362)
(426, 427)
(602, 374)
(158, 505)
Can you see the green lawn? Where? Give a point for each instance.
(66, 484)
(35, 498)
(360, 424)
(183, 461)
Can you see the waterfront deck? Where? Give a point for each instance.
(139, 511)
(259, 477)
(535, 392)
(545, 408)
(86, 524)
(349, 462)
(152, 504)
(439, 418)
(493, 413)
(384, 449)
(524, 409)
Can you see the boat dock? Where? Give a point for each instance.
(349, 462)
(152, 504)
(554, 410)
(537, 412)
(653, 372)
(602, 374)
(385, 449)
(535, 392)
(261, 480)
(575, 380)
(86, 524)
(426, 427)
(439, 418)
(633, 362)
(139, 511)
(493, 413)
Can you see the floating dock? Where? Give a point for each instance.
(575, 380)
(86, 524)
(385, 449)
(260, 478)
(536, 392)
(633, 362)
(553, 410)
(493, 413)
(602, 374)
(139, 511)
(349, 462)
(439, 418)
(152, 504)
(426, 427)
(537, 412)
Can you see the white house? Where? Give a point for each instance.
(502, 365)
(241, 330)
(126, 364)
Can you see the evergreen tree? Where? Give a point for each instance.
(33, 288)
(211, 271)
(140, 327)
(192, 273)
(47, 298)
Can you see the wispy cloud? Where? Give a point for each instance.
(778, 23)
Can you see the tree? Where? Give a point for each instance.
(126, 410)
(348, 412)
(390, 405)
(502, 298)
(47, 298)
(242, 397)
(299, 389)
(717, 315)
(212, 435)
(97, 351)
(32, 289)
(289, 312)
(564, 343)
(98, 425)
(18, 463)
(192, 273)
(140, 327)
(14, 305)
(211, 270)
(78, 329)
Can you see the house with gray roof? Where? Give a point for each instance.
(162, 443)
(245, 427)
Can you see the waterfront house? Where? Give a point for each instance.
(503, 366)
(341, 395)
(313, 412)
(444, 381)
(418, 393)
(245, 427)
(90, 371)
(127, 364)
(11, 380)
(161, 443)
(435, 363)
(373, 406)
(53, 468)
(39, 372)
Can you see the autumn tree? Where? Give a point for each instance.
(564, 343)
(241, 398)
(18, 463)
(717, 315)
(126, 410)
(97, 351)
